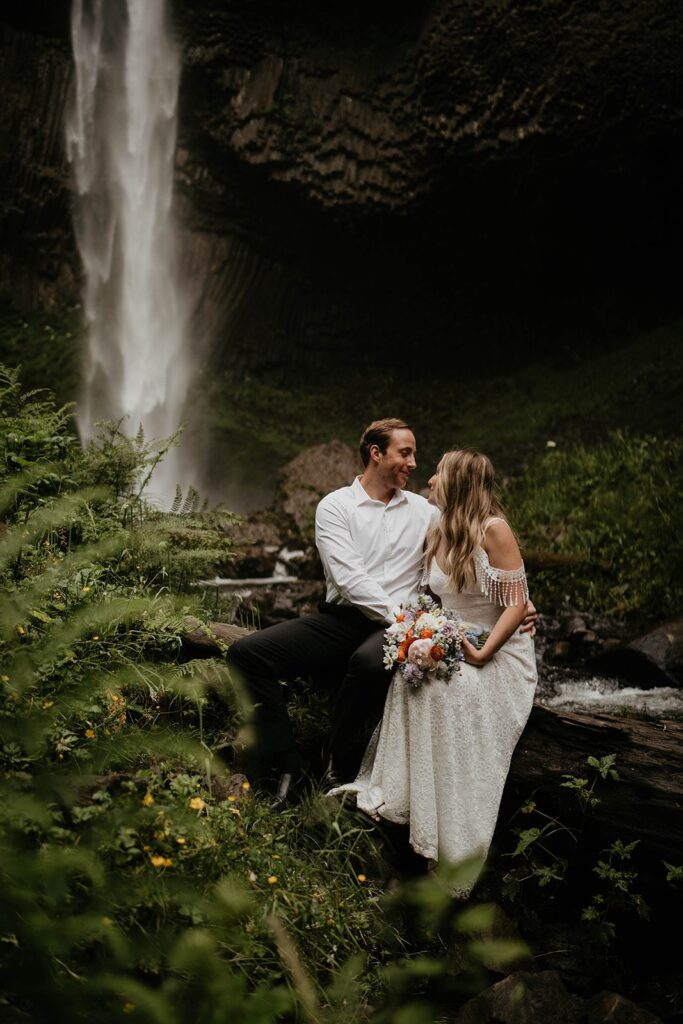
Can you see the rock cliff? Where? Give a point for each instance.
(354, 177)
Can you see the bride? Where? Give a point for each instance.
(440, 756)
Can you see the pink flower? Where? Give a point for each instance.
(419, 654)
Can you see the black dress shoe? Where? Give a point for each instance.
(286, 792)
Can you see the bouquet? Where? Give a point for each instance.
(425, 641)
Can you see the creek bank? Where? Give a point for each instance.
(276, 575)
(580, 980)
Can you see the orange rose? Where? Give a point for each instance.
(436, 653)
(426, 634)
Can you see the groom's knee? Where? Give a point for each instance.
(366, 662)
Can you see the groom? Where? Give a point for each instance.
(370, 537)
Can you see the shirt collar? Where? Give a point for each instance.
(361, 495)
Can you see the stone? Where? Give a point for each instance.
(611, 1008)
(576, 626)
(654, 659)
(258, 540)
(561, 650)
(307, 478)
(523, 998)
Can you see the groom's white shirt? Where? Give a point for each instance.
(372, 552)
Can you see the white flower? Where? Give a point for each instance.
(428, 621)
(397, 629)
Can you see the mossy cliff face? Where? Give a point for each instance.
(357, 178)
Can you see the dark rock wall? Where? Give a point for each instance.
(37, 258)
(355, 178)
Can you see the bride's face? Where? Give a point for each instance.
(431, 483)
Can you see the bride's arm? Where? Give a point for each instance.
(503, 553)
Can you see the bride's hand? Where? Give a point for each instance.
(473, 656)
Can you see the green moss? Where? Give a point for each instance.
(565, 398)
(47, 346)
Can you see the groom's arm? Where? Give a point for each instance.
(345, 568)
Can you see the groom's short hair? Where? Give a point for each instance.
(379, 432)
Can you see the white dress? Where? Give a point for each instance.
(439, 759)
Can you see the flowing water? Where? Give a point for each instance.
(121, 137)
(572, 689)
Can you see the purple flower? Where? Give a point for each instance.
(412, 674)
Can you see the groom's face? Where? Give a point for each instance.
(398, 461)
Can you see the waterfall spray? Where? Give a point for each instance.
(121, 136)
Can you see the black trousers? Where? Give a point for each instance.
(339, 646)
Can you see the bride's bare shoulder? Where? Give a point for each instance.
(500, 544)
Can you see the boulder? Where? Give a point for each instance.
(655, 659)
(528, 998)
(258, 539)
(523, 998)
(308, 477)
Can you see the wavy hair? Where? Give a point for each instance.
(466, 496)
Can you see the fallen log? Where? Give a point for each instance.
(211, 638)
(646, 803)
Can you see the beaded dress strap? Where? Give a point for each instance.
(507, 587)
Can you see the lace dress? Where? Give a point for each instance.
(440, 756)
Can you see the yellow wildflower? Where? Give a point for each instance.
(161, 862)
(20, 630)
(197, 804)
(272, 879)
(232, 798)
(5, 679)
(330, 922)
(47, 704)
(146, 847)
(246, 786)
(362, 878)
(89, 734)
(86, 589)
(235, 810)
(96, 638)
(180, 840)
(148, 799)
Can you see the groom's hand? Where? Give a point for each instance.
(530, 619)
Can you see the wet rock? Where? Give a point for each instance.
(560, 651)
(655, 659)
(576, 626)
(524, 998)
(307, 478)
(272, 604)
(548, 627)
(611, 1008)
(258, 539)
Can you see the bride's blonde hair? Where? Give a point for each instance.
(466, 496)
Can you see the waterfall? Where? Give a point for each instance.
(121, 136)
